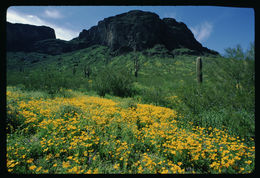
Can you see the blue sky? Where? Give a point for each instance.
(214, 27)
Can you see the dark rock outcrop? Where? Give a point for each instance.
(141, 30)
(21, 37)
(177, 35)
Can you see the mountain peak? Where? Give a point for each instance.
(140, 30)
(132, 30)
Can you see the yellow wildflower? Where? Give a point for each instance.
(30, 160)
(65, 164)
(116, 166)
(32, 167)
(248, 162)
(38, 169)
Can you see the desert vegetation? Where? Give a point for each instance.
(87, 111)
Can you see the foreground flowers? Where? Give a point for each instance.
(93, 135)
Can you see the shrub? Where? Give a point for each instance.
(117, 83)
(50, 81)
(101, 83)
(238, 52)
(155, 95)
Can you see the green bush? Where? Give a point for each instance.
(115, 82)
(49, 81)
(52, 82)
(155, 95)
(238, 52)
(101, 83)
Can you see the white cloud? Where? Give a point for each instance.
(61, 33)
(53, 14)
(15, 17)
(202, 31)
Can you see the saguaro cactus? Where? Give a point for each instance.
(199, 69)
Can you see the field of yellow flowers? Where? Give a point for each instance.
(87, 135)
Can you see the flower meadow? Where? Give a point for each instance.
(84, 134)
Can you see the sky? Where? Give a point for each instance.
(214, 27)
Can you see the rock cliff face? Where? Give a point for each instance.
(126, 30)
(21, 37)
(140, 30)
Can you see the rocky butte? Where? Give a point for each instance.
(22, 37)
(133, 30)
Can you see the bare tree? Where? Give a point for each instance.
(136, 63)
(87, 71)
